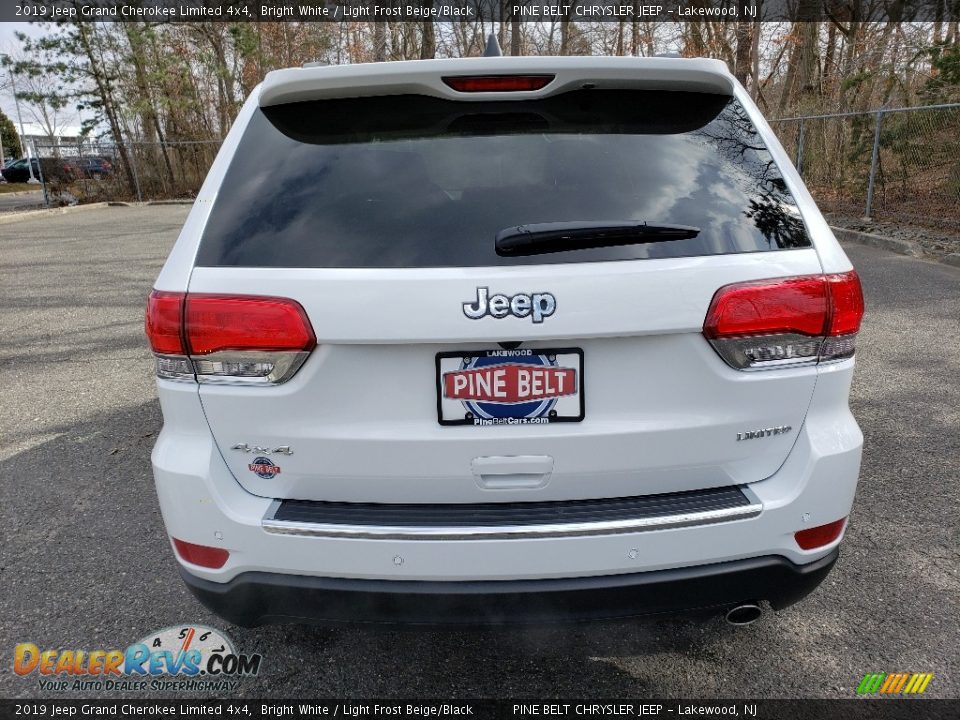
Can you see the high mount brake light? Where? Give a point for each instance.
(227, 338)
(498, 83)
(786, 321)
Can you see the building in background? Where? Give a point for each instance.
(64, 138)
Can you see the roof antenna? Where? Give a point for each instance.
(493, 47)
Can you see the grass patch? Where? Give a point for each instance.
(18, 187)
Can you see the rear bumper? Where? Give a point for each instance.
(257, 598)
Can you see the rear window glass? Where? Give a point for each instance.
(414, 181)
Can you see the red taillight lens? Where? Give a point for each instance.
(846, 303)
(163, 322)
(202, 555)
(498, 83)
(819, 536)
(786, 321)
(790, 305)
(228, 338)
(240, 323)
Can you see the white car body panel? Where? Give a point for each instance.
(651, 428)
(198, 498)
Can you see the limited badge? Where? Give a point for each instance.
(264, 467)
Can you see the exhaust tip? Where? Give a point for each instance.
(745, 614)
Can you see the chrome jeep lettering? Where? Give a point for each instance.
(536, 306)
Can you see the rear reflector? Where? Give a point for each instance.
(785, 321)
(228, 338)
(202, 555)
(819, 536)
(498, 83)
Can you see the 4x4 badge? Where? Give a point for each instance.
(536, 306)
(243, 447)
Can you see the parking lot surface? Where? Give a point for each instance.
(84, 562)
(21, 200)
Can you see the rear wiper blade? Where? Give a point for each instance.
(539, 238)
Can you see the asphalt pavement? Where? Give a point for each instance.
(84, 561)
(22, 200)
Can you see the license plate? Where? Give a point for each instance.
(510, 387)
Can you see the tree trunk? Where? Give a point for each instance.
(379, 42)
(694, 45)
(809, 81)
(104, 89)
(565, 30)
(829, 57)
(755, 55)
(744, 33)
(428, 43)
(149, 117)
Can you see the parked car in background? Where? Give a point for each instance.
(50, 169)
(17, 171)
(94, 167)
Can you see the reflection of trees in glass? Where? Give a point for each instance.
(734, 136)
(773, 220)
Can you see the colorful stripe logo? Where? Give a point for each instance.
(894, 683)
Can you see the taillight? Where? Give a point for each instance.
(217, 323)
(498, 83)
(785, 322)
(816, 537)
(164, 323)
(228, 338)
(202, 555)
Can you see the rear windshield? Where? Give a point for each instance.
(414, 181)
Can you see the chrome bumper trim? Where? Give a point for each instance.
(610, 527)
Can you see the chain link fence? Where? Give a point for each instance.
(899, 165)
(97, 171)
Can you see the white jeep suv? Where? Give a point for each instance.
(504, 340)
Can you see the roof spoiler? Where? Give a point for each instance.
(425, 77)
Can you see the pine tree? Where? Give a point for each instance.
(9, 138)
